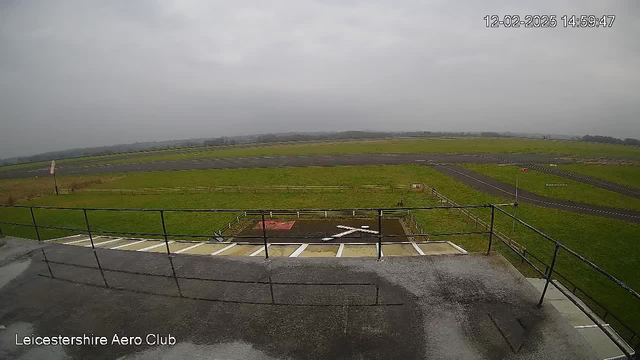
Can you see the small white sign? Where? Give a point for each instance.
(52, 170)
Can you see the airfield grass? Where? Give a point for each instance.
(435, 145)
(17, 190)
(535, 182)
(621, 174)
(612, 244)
(421, 145)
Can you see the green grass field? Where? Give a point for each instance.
(621, 174)
(438, 145)
(612, 244)
(431, 145)
(535, 182)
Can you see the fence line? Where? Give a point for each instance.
(250, 189)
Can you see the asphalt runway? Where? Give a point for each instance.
(492, 186)
(281, 161)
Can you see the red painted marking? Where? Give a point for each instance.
(275, 225)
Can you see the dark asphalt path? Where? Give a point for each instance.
(280, 161)
(492, 186)
(604, 184)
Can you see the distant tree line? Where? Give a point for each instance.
(611, 140)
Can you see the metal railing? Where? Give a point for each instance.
(379, 213)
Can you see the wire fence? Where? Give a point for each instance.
(252, 189)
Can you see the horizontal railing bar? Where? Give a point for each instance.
(582, 258)
(259, 210)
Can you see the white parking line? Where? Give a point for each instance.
(63, 238)
(463, 251)
(299, 250)
(340, 250)
(259, 250)
(415, 246)
(223, 249)
(154, 246)
(129, 244)
(77, 241)
(189, 248)
(104, 242)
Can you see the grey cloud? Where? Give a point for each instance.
(87, 73)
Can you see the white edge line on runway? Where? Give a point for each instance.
(463, 251)
(415, 246)
(129, 244)
(189, 248)
(154, 246)
(223, 249)
(299, 250)
(259, 250)
(340, 250)
(77, 241)
(104, 242)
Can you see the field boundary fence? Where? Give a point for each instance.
(250, 189)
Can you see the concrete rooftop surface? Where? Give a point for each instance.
(425, 307)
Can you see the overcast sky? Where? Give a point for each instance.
(90, 73)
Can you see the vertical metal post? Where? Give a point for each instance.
(379, 234)
(493, 214)
(86, 220)
(166, 243)
(164, 232)
(55, 182)
(35, 226)
(549, 273)
(93, 247)
(264, 236)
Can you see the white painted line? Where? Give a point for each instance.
(129, 244)
(589, 326)
(415, 246)
(356, 229)
(77, 241)
(340, 250)
(65, 237)
(463, 251)
(104, 242)
(381, 253)
(299, 250)
(343, 233)
(189, 248)
(223, 249)
(619, 357)
(153, 246)
(259, 250)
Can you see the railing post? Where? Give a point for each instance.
(35, 226)
(166, 243)
(164, 232)
(86, 220)
(549, 274)
(93, 247)
(493, 214)
(264, 236)
(379, 234)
